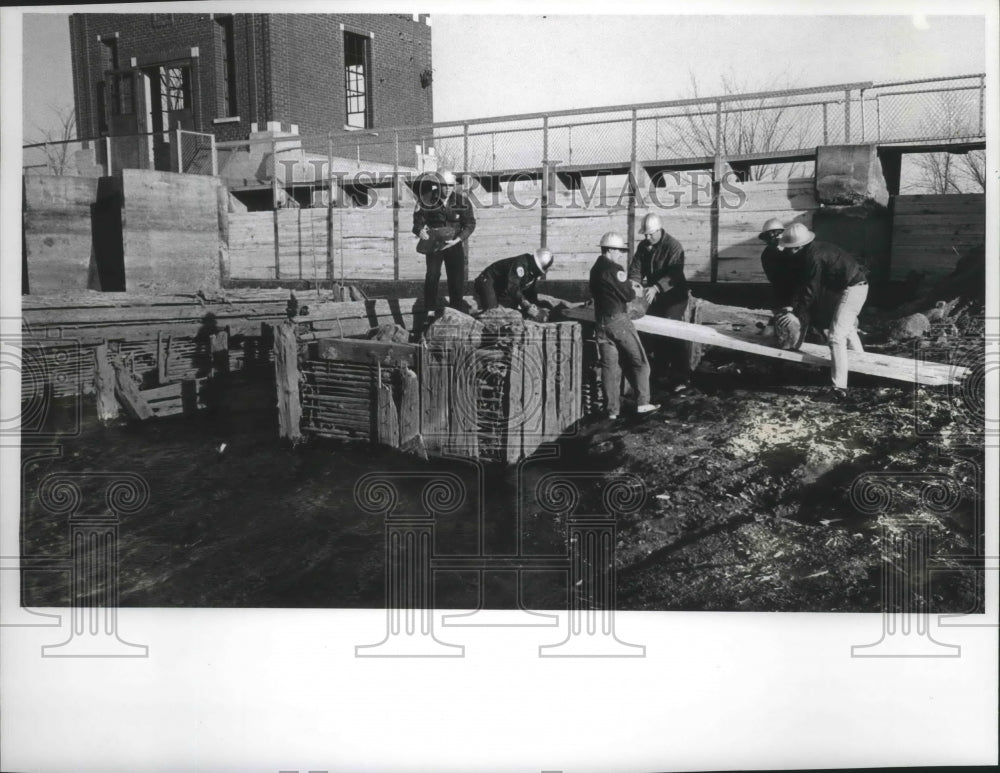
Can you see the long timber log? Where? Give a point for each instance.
(895, 368)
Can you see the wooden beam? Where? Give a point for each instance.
(286, 371)
(387, 418)
(896, 368)
(128, 394)
(104, 383)
(385, 353)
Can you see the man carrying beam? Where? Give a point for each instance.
(658, 267)
(616, 336)
(820, 268)
(512, 283)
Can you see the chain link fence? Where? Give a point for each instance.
(925, 111)
(735, 127)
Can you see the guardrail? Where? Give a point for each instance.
(730, 127)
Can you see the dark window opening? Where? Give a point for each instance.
(175, 88)
(110, 53)
(227, 59)
(357, 80)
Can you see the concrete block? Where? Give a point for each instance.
(849, 175)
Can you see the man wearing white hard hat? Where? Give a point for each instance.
(616, 335)
(513, 283)
(443, 220)
(823, 267)
(658, 266)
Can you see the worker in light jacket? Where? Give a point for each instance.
(513, 283)
(823, 267)
(615, 333)
(443, 224)
(658, 267)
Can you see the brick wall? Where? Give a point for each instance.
(289, 67)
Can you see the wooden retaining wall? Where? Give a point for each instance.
(930, 233)
(573, 221)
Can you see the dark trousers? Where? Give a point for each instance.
(454, 263)
(486, 294)
(672, 356)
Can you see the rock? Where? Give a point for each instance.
(849, 175)
(909, 327)
(453, 325)
(397, 334)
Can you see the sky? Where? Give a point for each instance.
(487, 65)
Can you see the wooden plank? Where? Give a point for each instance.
(515, 401)
(128, 394)
(551, 423)
(409, 406)
(896, 368)
(432, 419)
(286, 372)
(385, 353)
(104, 383)
(388, 418)
(533, 388)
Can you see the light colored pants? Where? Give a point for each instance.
(843, 333)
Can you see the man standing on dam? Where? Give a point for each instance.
(658, 267)
(443, 220)
(513, 283)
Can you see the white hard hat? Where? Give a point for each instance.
(772, 225)
(650, 223)
(543, 259)
(796, 235)
(447, 178)
(613, 239)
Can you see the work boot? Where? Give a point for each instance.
(646, 408)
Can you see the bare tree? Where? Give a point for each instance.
(746, 126)
(943, 172)
(59, 138)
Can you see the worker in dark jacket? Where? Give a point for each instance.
(513, 283)
(824, 267)
(443, 226)
(775, 263)
(658, 267)
(616, 335)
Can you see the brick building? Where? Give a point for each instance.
(242, 75)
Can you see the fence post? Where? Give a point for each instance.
(329, 205)
(632, 182)
(274, 197)
(545, 181)
(465, 147)
(395, 209)
(826, 134)
(863, 135)
(180, 164)
(107, 154)
(878, 118)
(847, 116)
(718, 128)
(982, 97)
(215, 158)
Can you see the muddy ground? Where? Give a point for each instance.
(748, 504)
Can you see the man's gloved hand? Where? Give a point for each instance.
(424, 233)
(787, 330)
(650, 293)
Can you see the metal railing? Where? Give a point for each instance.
(746, 128)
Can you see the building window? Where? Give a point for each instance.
(227, 65)
(358, 80)
(110, 53)
(175, 88)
